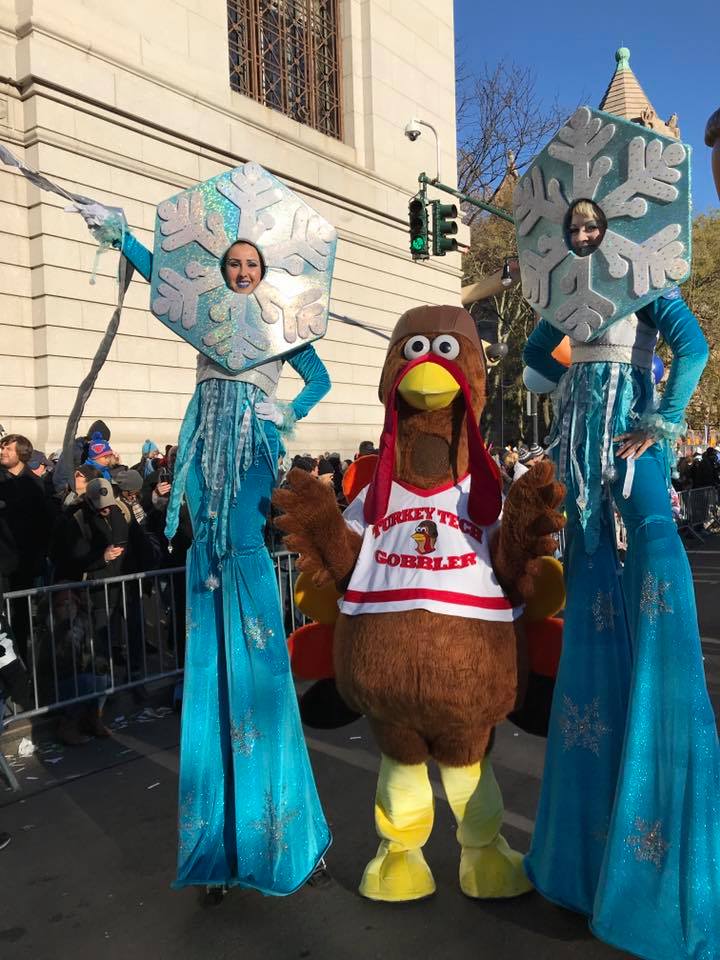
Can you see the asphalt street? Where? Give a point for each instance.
(87, 874)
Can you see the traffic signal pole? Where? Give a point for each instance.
(426, 181)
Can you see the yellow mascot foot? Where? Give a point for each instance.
(493, 871)
(397, 877)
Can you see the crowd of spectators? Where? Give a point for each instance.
(701, 469)
(91, 519)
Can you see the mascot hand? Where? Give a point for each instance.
(530, 521)
(315, 529)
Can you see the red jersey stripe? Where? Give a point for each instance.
(444, 596)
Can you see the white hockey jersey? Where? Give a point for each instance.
(425, 554)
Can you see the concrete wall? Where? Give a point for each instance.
(130, 103)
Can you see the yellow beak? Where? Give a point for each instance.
(417, 537)
(428, 386)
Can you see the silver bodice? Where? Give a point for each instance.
(265, 376)
(627, 341)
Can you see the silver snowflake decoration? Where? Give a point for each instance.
(274, 823)
(190, 826)
(603, 611)
(641, 181)
(582, 729)
(257, 632)
(654, 597)
(647, 842)
(244, 734)
(194, 230)
(212, 582)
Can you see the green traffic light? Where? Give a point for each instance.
(418, 223)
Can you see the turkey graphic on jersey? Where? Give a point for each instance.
(425, 537)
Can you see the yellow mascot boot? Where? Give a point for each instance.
(404, 810)
(488, 867)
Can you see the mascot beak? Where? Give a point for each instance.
(428, 386)
(418, 537)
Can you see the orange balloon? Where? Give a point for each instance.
(561, 353)
(311, 652)
(358, 475)
(544, 645)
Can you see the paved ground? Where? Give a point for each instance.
(87, 874)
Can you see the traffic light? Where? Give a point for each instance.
(418, 218)
(443, 228)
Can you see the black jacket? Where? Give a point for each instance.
(27, 516)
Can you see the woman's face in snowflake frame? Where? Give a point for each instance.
(586, 228)
(242, 267)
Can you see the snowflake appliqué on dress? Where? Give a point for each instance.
(190, 826)
(274, 824)
(654, 599)
(243, 735)
(582, 730)
(603, 611)
(647, 843)
(212, 582)
(257, 632)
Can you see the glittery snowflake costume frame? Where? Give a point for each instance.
(641, 182)
(194, 229)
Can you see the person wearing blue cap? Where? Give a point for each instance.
(150, 453)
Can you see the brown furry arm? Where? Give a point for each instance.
(526, 532)
(315, 529)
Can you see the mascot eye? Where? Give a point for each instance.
(416, 347)
(446, 346)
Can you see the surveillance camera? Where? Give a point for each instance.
(412, 130)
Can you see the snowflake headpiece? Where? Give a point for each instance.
(641, 182)
(194, 229)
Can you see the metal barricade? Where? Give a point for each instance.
(85, 640)
(93, 638)
(698, 512)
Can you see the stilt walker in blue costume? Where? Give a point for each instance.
(242, 270)
(628, 826)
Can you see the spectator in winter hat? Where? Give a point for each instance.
(527, 456)
(100, 455)
(129, 484)
(150, 453)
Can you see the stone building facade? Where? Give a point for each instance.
(130, 103)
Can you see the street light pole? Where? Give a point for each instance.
(410, 129)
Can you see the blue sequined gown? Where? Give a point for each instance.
(628, 825)
(249, 813)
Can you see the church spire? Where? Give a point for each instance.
(625, 98)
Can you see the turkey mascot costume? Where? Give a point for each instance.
(432, 583)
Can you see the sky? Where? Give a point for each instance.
(571, 48)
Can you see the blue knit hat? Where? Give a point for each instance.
(148, 447)
(98, 447)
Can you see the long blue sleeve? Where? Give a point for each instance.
(308, 364)
(681, 331)
(138, 254)
(537, 353)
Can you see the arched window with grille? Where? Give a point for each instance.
(286, 55)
